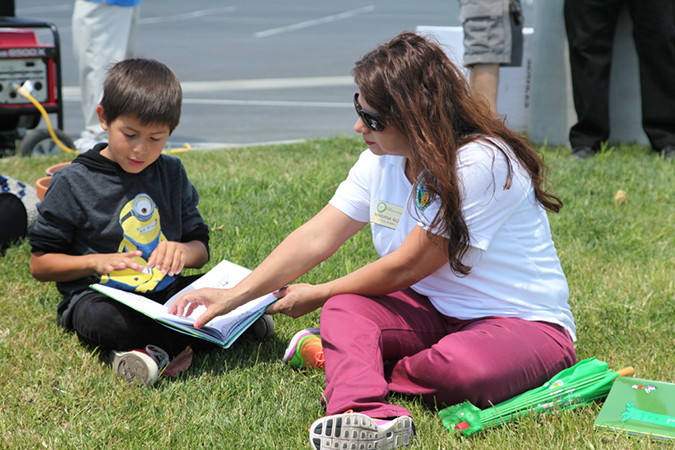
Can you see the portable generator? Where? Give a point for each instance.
(25, 61)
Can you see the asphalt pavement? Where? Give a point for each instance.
(254, 71)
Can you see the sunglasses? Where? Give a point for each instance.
(371, 120)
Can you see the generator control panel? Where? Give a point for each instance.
(23, 59)
(19, 71)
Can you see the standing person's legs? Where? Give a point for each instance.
(485, 361)
(654, 35)
(493, 37)
(102, 34)
(484, 80)
(591, 26)
(359, 334)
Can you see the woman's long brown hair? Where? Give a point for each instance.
(415, 87)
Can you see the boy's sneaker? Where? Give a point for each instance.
(141, 365)
(263, 327)
(358, 431)
(305, 350)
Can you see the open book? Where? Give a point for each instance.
(222, 330)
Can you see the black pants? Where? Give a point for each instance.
(101, 321)
(591, 26)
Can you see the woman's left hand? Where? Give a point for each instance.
(297, 300)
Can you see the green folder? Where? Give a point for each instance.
(640, 407)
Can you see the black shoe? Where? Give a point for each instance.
(668, 152)
(582, 153)
(263, 327)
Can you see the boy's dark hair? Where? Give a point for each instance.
(145, 89)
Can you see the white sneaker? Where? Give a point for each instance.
(141, 365)
(358, 431)
(88, 140)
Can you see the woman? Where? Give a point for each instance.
(467, 300)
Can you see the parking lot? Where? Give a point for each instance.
(254, 72)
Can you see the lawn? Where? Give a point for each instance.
(619, 258)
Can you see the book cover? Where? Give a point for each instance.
(222, 330)
(640, 407)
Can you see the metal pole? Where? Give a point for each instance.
(551, 104)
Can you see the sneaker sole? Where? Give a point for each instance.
(135, 367)
(354, 431)
(290, 350)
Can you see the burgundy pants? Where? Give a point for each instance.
(401, 343)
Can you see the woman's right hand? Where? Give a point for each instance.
(216, 301)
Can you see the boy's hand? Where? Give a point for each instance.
(169, 257)
(104, 263)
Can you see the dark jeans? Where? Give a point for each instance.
(591, 26)
(108, 324)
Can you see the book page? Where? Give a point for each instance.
(223, 329)
(225, 275)
(237, 319)
(137, 302)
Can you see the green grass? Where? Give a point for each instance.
(619, 260)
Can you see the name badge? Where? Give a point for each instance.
(387, 215)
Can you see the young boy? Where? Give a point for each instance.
(125, 215)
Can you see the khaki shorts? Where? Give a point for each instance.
(493, 32)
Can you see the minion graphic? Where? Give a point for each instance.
(142, 231)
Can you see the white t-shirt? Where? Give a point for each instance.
(515, 271)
